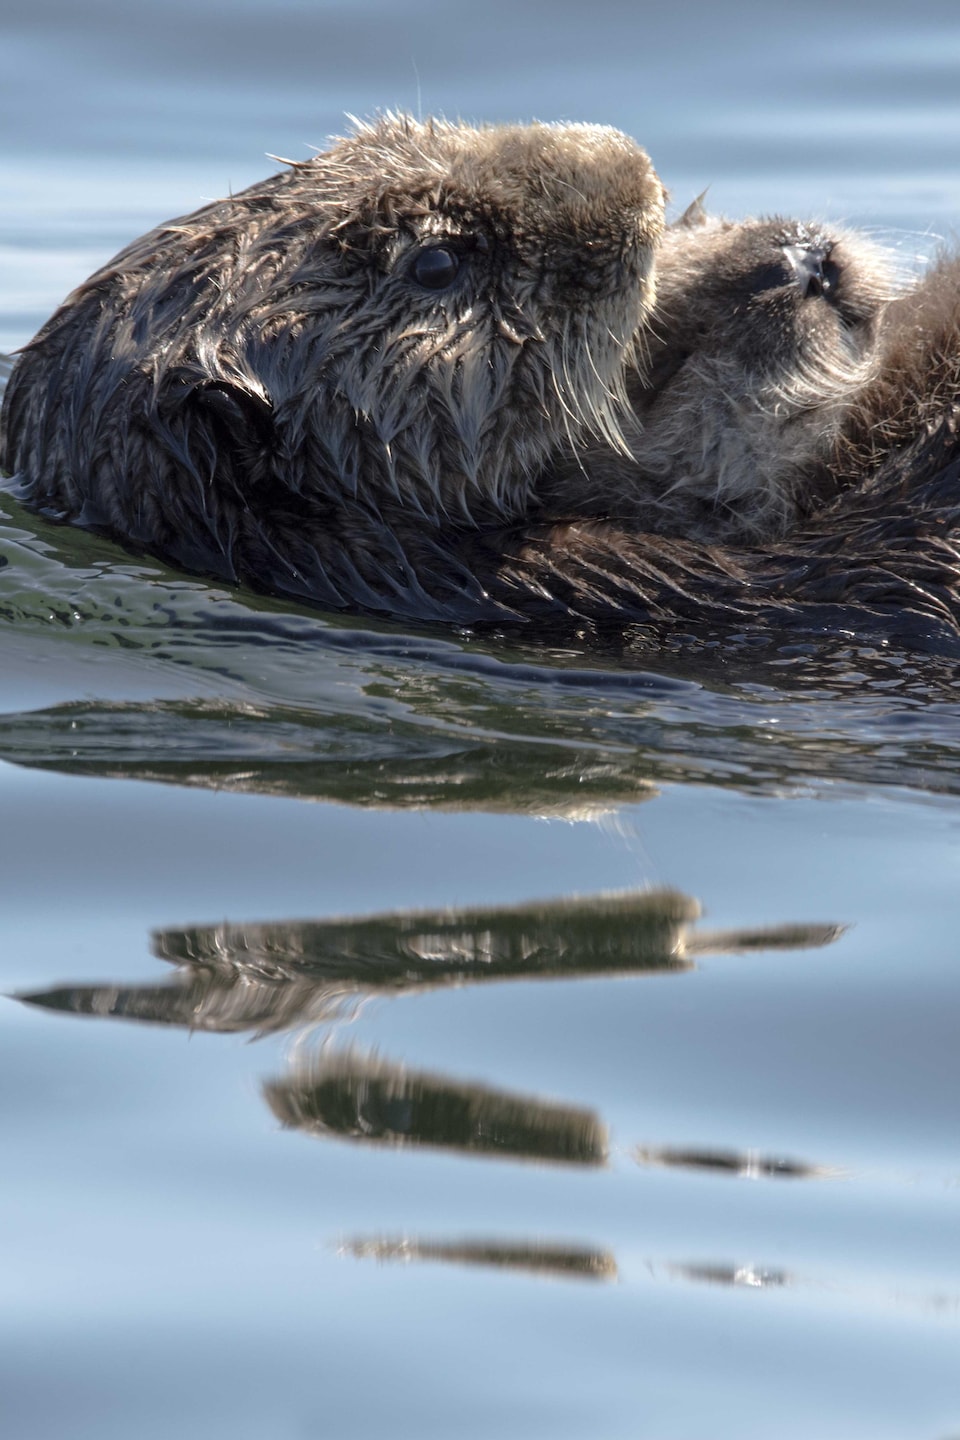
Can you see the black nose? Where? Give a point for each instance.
(808, 262)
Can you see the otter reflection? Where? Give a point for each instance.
(751, 1277)
(748, 1164)
(274, 977)
(352, 1096)
(284, 751)
(556, 1262)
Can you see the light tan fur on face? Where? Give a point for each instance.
(745, 382)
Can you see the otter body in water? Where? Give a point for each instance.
(350, 384)
(308, 386)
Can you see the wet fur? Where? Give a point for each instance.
(810, 484)
(917, 377)
(744, 385)
(874, 553)
(264, 390)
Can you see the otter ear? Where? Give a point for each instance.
(695, 214)
(222, 424)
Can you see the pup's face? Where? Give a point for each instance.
(774, 295)
(764, 334)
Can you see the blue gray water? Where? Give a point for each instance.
(340, 1097)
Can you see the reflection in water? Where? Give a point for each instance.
(280, 976)
(203, 996)
(289, 702)
(363, 1097)
(756, 1277)
(353, 759)
(294, 973)
(749, 1164)
(375, 729)
(750, 1277)
(583, 1262)
(558, 1262)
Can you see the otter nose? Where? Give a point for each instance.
(807, 262)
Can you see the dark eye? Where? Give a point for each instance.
(436, 267)
(769, 277)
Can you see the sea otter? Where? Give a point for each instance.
(859, 530)
(311, 385)
(353, 383)
(764, 336)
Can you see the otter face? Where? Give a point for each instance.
(413, 320)
(774, 296)
(764, 334)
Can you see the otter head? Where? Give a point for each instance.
(412, 320)
(764, 334)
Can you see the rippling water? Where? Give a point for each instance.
(428, 1034)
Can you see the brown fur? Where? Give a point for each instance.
(749, 374)
(200, 397)
(879, 558)
(268, 390)
(867, 540)
(917, 378)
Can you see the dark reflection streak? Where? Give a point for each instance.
(770, 937)
(345, 757)
(364, 1098)
(266, 978)
(556, 1262)
(748, 1164)
(199, 999)
(615, 933)
(757, 1277)
(746, 1276)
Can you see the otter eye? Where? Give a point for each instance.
(436, 267)
(769, 277)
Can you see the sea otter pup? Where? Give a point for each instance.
(763, 339)
(862, 438)
(311, 385)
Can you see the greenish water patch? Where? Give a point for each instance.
(200, 685)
